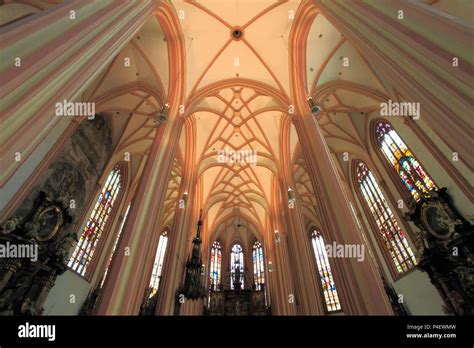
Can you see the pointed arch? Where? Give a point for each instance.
(237, 261)
(158, 264)
(403, 163)
(215, 266)
(100, 217)
(258, 266)
(390, 237)
(328, 285)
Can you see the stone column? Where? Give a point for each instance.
(177, 255)
(123, 292)
(306, 281)
(47, 58)
(226, 251)
(280, 279)
(358, 283)
(248, 265)
(184, 230)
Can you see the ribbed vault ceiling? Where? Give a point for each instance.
(237, 94)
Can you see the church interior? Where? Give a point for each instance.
(236, 158)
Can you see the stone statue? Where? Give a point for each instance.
(237, 283)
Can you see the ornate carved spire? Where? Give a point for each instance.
(193, 288)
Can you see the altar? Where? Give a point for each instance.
(237, 303)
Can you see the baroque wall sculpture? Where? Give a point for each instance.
(45, 224)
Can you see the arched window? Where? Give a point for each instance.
(216, 265)
(158, 264)
(325, 273)
(258, 265)
(92, 232)
(115, 246)
(237, 260)
(402, 160)
(392, 236)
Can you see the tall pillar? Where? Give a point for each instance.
(183, 227)
(225, 269)
(248, 265)
(175, 259)
(280, 279)
(124, 290)
(50, 57)
(359, 283)
(306, 281)
(425, 55)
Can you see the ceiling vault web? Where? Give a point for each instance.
(237, 78)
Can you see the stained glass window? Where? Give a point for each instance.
(392, 236)
(411, 172)
(115, 246)
(216, 265)
(92, 232)
(258, 266)
(158, 264)
(325, 273)
(237, 260)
